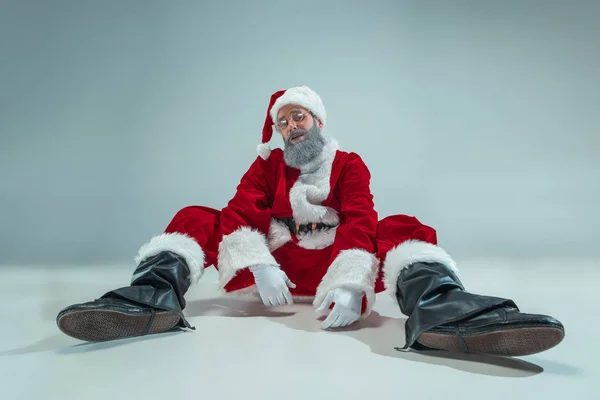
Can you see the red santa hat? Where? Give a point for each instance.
(301, 96)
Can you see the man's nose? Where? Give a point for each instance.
(292, 125)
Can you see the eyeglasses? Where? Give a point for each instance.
(297, 116)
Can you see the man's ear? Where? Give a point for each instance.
(319, 123)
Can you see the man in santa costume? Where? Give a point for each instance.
(302, 225)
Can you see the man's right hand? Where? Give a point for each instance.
(272, 284)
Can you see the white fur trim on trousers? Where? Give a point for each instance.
(408, 253)
(180, 244)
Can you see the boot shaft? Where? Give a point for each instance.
(423, 282)
(166, 271)
(431, 295)
(159, 282)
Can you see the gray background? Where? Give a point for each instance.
(480, 118)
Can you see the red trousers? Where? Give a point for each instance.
(304, 267)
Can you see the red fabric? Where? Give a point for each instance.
(267, 131)
(358, 218)
(203, 225)
(250, 205)
(263, 193)
(394, 230)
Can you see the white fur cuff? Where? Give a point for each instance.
(241, 249)
(408, 253)
(177, 243)
(355, 268)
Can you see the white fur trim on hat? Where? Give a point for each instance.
(302, 96)
(264, 150)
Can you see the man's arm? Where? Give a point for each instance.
(353, 261)
(244, 224)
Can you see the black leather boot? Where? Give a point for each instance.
(153, 303)
(443, 316)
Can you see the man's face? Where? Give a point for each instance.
(291, 118)
(301, 133)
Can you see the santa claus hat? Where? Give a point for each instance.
(301, 96)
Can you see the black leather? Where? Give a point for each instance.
(497, 319)
(431, 295)
(110, 304)
(159, 282)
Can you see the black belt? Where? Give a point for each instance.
(304, 228)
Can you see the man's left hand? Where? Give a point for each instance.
(347, 308)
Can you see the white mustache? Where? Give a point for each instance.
(296, 133)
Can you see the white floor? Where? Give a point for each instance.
(242, 350)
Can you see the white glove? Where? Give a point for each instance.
(347, 309)
(272, 284)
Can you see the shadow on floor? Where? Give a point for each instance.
(63, 344)
(381, 334)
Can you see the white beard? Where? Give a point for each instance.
(298, 154)
(309, 191)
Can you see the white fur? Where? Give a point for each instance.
(279, 234)
(302, 96)
(312, 187)
(354, 268)
(317, 239)
(241, 249)
(264, 150)
(410, 252)
(177, 243)
(331, 216)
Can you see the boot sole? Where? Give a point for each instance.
(103, 325)
(509, 342)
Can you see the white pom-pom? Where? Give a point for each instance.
(264, 150)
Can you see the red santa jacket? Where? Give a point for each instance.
(360, 252)
(333, 189)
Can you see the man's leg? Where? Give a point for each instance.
(154, 300)
(442, 314)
